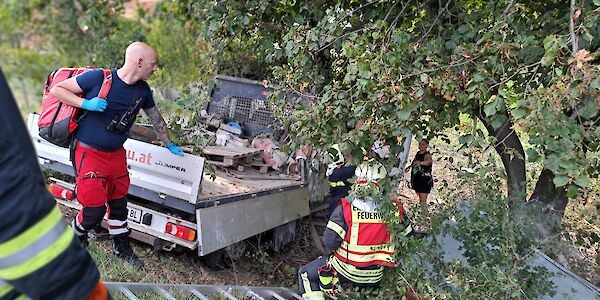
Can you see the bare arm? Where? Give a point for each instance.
(160, 126)
(66, 92)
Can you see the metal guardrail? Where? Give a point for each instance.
(135, 291)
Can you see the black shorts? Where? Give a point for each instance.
(421, 184)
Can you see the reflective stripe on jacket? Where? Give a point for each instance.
(336, 183)
(35, 247)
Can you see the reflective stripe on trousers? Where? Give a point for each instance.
(35, 247)
(356, 275)
(317, 295)
(308, 293)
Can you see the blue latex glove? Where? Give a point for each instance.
(175, 149)
(94, 104)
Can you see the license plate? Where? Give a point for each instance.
(135, 215)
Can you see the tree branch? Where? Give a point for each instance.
(452, 65)
(508, 7)
(574, 41)
(537, 64)
(434, 22)
(339, 37)
(363, 6)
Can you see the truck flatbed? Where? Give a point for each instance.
(228, 186)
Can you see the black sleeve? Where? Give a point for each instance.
(336, 230)
(348, 172)
(25, 201)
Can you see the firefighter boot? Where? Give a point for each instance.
(122, 249)
(80, 233)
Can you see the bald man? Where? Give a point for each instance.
(99, 157)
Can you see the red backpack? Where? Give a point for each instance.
(58, 121)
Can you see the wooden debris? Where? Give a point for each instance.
(261, 167)
(231, 156)
(317, 239)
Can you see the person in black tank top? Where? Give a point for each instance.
(420, 178)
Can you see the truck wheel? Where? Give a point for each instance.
(224, 258)
(215, 260)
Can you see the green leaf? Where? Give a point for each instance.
(465, 139)
(478, 77)
(582, 181)
(558, 72)
(597, 3)
(485, 37)
(551, 46)
(498, 122)
(532, 155)
(519, 113)
(547, 60)
(567, 164)
(490, 109)
(403, 114)
(338, 110)
(572, 191)
(550, 42)
(560, 180)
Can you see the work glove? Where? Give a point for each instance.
(94, 104)
(329, 283)
(175, 149)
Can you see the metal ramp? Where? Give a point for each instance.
(135, 291)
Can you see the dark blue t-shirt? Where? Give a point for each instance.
(92, 129)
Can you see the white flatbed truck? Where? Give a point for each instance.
(168, 191)
(175, 204)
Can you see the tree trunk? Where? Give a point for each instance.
(510, 149)
(551, 201)
(546, 192)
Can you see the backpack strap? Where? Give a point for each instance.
(106, 84)
(104, 89)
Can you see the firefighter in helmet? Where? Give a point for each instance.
(357, 238)
(338, 174)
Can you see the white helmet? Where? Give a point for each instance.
(381, 149)
(334, 155)
(369, 175)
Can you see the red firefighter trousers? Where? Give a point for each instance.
(102, 181)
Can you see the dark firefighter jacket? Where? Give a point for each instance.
(39, 258)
